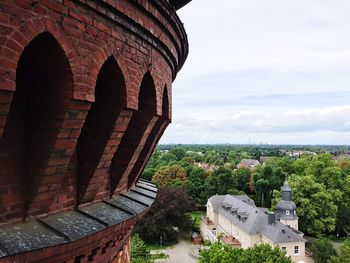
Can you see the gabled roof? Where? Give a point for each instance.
(248, 163)
(242, 212)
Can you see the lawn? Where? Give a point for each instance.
(196, 216)
(157, 246)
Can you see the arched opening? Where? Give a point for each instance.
(94, 151)
(135, 136)
(43, 78)
(151, 141)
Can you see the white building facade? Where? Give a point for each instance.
(237, 221)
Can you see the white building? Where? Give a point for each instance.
(238, 222)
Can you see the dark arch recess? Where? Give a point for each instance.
(43, 79)
(131, 140)
(152, 140)
(92, 150)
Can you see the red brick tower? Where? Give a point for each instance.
(85, 95)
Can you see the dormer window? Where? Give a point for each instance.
(295, 212)
(287, 213)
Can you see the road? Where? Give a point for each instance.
(180, 253)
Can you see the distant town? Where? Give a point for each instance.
(283, 201)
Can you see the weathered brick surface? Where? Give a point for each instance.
(82, 105)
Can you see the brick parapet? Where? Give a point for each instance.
(61, 139)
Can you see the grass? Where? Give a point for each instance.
(157, 246)
(159, 256)
(196, 216)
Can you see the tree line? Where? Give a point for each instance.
(321, 185)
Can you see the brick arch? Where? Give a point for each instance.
(43, 78)
(166, 103)
(98, 139)
(159, 84)
(12, 49)
(132, 79)
(154, 136)
(135, 136)
(20, 38)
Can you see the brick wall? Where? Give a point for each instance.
(85, 91)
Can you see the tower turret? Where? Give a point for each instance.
(286, 208)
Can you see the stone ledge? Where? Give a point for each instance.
(74, 225)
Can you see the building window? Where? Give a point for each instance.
(296, 250)
(284, 248)
(287, 213)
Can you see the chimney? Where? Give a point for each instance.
(271, 218)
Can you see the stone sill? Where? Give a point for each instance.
(73, 225)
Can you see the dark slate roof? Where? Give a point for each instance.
(246, 199)
(252, 220)
(280, 233)
(286, 187)
(282, 207)
(73, 225)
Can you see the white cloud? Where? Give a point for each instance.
(269, 69)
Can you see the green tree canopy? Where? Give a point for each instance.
(315, 206)
(179, 153)
(322, 250)
(266, 179)
(343, 255)
(170, 175)
(213, 157)
(241, 179)
(220, 253)
(195, 185)
(219, 182)
(169, 211)
(139, 251)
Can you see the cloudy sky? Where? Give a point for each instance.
(271, 71)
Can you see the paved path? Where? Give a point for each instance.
(180, 253)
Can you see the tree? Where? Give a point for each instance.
(195, 185)
(233, 157)
(170, 175)
(343, 216)
(318, 163)
(220, 253)
(219, 182)
(241, 180)
(167, 158)
(148, 173)
(332, 177)
(284, 163)
(300, 165)
(211, 186)
(315, 206)
(168, 213)
(344, 165)
(343, 255)
(322, 250)
(139, 251)
(179, 153)
(213, 157)
(266, 179)
(225, 180)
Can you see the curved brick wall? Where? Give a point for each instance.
(85, 95)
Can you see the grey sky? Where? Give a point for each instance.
(271, 71)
